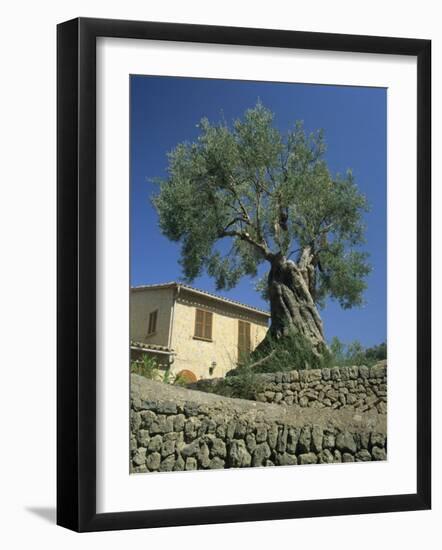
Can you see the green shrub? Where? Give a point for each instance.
(147, 367)
(355, 353)
(291, 353)
(243, 386)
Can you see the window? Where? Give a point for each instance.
(243, 339)
(152, 322)
(203, 324)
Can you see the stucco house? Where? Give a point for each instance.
(193, 330)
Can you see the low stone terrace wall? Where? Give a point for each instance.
(174, 428)
(357, 388)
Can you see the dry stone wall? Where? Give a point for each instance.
(358, 388)
(174, 429)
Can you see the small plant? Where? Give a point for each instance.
(355, 353)
(296, 354)
(245, 385)
(180, 380)
(146, 366)
(167, 377)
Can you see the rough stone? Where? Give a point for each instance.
(216, 463)
(292, 439)
(281, 444)
(378, 371)
(364, 372)
(325, 457)
(317, 437)
(161, 424)
(234, 433)
(307, 458)
(377, 439)
(139, 469)
(378, 453)
(337, 456)
(139, 457)
(272, 435)
(191, 449)
(168, 447)
(305, 439)
(285, 459)
(240, 429)
(364, 439)
(347, 457)
(218, 448)
(303, 401)
(345, 442)
(166, 407)
(239, 456)
(155, 443)
(178, 422)
(260, 454)
(326, 374)
(203, 455)
(147, 417)
(335, 373)
(231, 427)
(143, 438)
(221, 431)
(251, 442)
(363, 456)
(179, 464)
(191, 463)
(328, 441)
(167, 464)
(261, 433)
(153, 461)
(135, 421)
(191, 409)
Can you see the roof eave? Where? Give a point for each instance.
(204, 294)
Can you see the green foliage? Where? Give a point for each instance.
(245, 385)
(269, 193)
(337, 350)
(377, 353)
(244, 382)
(355, 353)
(179, 380)
(147, 367)
(291, 353)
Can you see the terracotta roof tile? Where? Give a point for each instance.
(174, 284)
(150, 347)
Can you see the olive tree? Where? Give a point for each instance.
(273, 196)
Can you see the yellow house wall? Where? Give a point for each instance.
(198, 355)
(142, 303)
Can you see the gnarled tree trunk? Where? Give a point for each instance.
(291, 288)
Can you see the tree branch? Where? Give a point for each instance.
(244, 236)
(241, 205)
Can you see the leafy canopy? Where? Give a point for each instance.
(271, 195)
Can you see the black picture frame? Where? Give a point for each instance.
(76, 274)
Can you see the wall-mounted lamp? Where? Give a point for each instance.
(212, 367)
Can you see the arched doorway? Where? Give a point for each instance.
(187, 376)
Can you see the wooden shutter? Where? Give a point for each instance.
(247, 326)
(243, 339)
(152, 322)
(208, 325)
(203, 324)
(199, 323)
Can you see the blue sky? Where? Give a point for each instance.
(165, 111)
